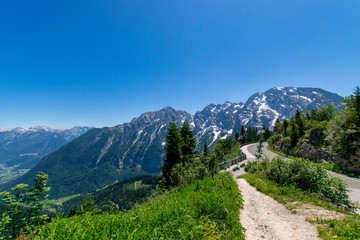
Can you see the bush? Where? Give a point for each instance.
(274, 139)
(188, 173)
(304, 175)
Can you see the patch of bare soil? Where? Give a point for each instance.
(313, 212)
(265, 218)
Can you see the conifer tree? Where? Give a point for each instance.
(23, 207)
(237, 136)
(352, 109)
(188, 143)
(205, 151)
(242, 134)
(285, 125)
(266, 133)
(299, 122)
(293, 133)
(276, 127)
(172, 152)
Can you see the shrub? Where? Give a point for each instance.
(188, 173)
(304, 175)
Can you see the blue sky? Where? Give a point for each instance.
(101, 63)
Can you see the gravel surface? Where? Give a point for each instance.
(265, 218)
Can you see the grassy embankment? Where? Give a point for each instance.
(293, 197)
(331, 166)
(205, 209)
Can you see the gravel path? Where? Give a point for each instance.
(265, 218)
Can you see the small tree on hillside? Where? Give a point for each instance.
(277, 127)
(172, 153)
(285, 126)
(260, 147)
(205, 151)
(293, 133)
(23, 207)
(299, 122)
(242, 134)
(188, 143)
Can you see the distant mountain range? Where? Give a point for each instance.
(24, 147)
(104, 155)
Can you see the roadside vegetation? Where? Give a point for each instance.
(326, 135)
(314, 181)
(298, 182)
(328, 165)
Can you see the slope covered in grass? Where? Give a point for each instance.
(205, 209)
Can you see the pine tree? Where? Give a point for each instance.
(205, 151)
(299, 122)
(285, 126)
(22, 208)
(266, 133)
(293, 133)
(237, 136)
(188, 143)
(276, 127)
(357, 105)
(242, 134)
(352, 109)
(172, 152)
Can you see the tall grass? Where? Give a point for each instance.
(205, 209)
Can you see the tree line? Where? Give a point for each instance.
(183, 163)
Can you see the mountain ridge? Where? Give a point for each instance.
(105, 155)
(24, 147)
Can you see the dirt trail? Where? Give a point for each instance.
(265, 218)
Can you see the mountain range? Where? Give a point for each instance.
(24, 147)
(102, 156)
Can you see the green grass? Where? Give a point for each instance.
(285, 194)
(59, 201)
(7, 175)
(330, 166)
(348, 228)
(205, 209)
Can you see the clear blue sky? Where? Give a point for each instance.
(101, 63)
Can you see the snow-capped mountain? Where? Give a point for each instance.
(261, 109)
(24, 147)
(102, 156)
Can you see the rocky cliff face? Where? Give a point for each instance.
(305, 149)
